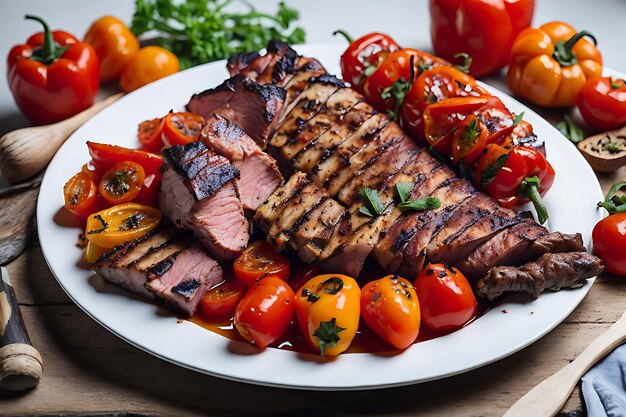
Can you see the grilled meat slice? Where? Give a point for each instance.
(164, 264)
(241, 61)
(304, 107)
(338, 103)
(339, 157)
(294, 84)
(551, 271)
(255, 108)
(311, 233)
(259, 174)
(267, 212)
(429, 174)
(508, 247)
(199, 193)
(558, 242)
(325, 144)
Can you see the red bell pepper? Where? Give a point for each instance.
(364, 55)
(483, 29)
(53, 76)
(515, 176)
(106, 156)
(602, 102)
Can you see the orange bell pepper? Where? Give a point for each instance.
(114, 43)
(328, 309)
(550, 65)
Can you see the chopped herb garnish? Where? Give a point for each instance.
(403, 190)
(328, 334)
(422, 66)
(428, 203)
(570, 130)
(489, 174)
(372, 206)
(613, 147)
(518, 118)
(104, 227)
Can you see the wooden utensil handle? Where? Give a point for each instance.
(21, 365)
(25, 152)
(560, 385)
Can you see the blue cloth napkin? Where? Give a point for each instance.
(604, 386)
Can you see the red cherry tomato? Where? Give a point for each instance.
(602, 103)
(469, 140)
(122, 182)
(259, 260)
(181, 128)
(265, 311)
(149, 134)
(390, 307)
(609, 242)
(446, 298)
(81, 195)
(220, 302)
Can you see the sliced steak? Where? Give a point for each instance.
(308, 68)
(241, 61)
(338, 103)
(324, 144)
(259, 174)
(551, 271)
(312, 232)
(558, 242)
(307, 105)
(255, 108)
(199, 193)
(164, 264)
(508, 247)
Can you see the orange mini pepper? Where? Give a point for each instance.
(328, 309)
(149, 64)
(114, 43)
(550, 65)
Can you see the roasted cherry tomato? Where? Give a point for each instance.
(390, 307)
(149, 134)
(387, 86)
(81, 195)
(328, 310)
(364, 55)
(265, 312)
(431, 86)
(105, 156)
(446, 298)
(181, 128)
(91, 173)
(469, 140)
(122, 223)
(259, 260)
(147, 65)
(602, 103)
(609, 242)
(220, 302)
(122, 182)
(442, 118)
(93, 252)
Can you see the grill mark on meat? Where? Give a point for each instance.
(284, 236)
(268, 211)
(558, 242)
(202, 182)
(160, 268)
(313, 235)
(187, 288)
(298, 82)
(237, 62)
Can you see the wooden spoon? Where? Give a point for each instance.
(25, 152)
(560, 385)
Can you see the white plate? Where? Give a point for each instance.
(571, 204)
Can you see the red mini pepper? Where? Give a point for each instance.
(602, 102)
(52, 76)
(515, 176)
(364, 55)
(483, 29)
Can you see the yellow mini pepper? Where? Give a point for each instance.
(550, 65)
(328, 310)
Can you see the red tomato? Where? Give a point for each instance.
(602, 103)
(446, 298)
(265, 311)
(81, 195)
(122, 182)
(219, 302)
(149, 134)
(259, 260)
(390, 307)
(609, 242)
(181, 128)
